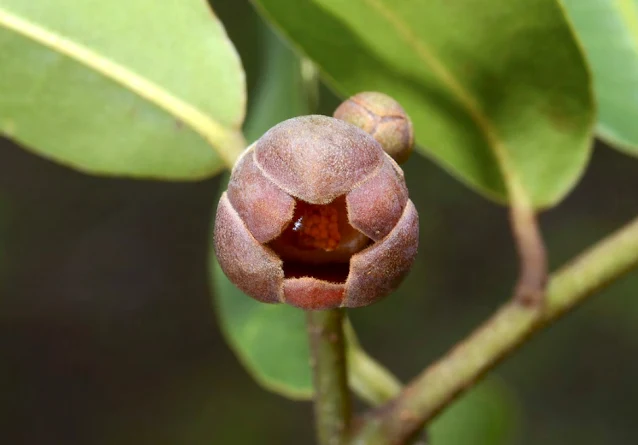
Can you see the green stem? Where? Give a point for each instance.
(332, 398)
(511, 326)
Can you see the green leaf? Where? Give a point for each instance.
(486, 415)
(498, 91)
(270, 340)
(280, 93)
(136, 89)
(609, 33)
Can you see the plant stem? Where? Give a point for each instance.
(511, 326)
(332, 398)
(533, 274)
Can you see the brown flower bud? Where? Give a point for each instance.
(382, 117)
(316, 215)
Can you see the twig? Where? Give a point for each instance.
(437, 386)
(332, 398)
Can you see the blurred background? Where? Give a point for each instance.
(108, 334)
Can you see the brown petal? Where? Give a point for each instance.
(375, 206)
(265, 208)
(317, 158)
(312, 294)
(253, 268)
(378, 270)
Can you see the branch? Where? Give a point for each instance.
(511, 326)
(332, 399)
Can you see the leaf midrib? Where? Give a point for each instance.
(226, 141)
(514, 187)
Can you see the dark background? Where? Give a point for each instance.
(108, 334)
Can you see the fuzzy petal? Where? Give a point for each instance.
(376, 205)
(312, 294)
(253, 268)
(379, 269)
(317, 158)
(265, 208)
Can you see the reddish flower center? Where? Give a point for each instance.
(319, 241)
(315, 226)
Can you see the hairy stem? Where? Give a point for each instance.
(332, 398)
(437, 386)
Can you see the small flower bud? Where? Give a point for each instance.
(316, 215)
(382, 117)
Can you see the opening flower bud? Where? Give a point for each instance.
(319, 242)
(316, 215)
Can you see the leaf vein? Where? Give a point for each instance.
(514, 187)
(227, 142)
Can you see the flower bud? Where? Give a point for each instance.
(316, 215)
(382, 117)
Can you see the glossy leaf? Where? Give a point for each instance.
(498, 91)
(486, 415)
(609, 33)
(135, 89)
(270, 340)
